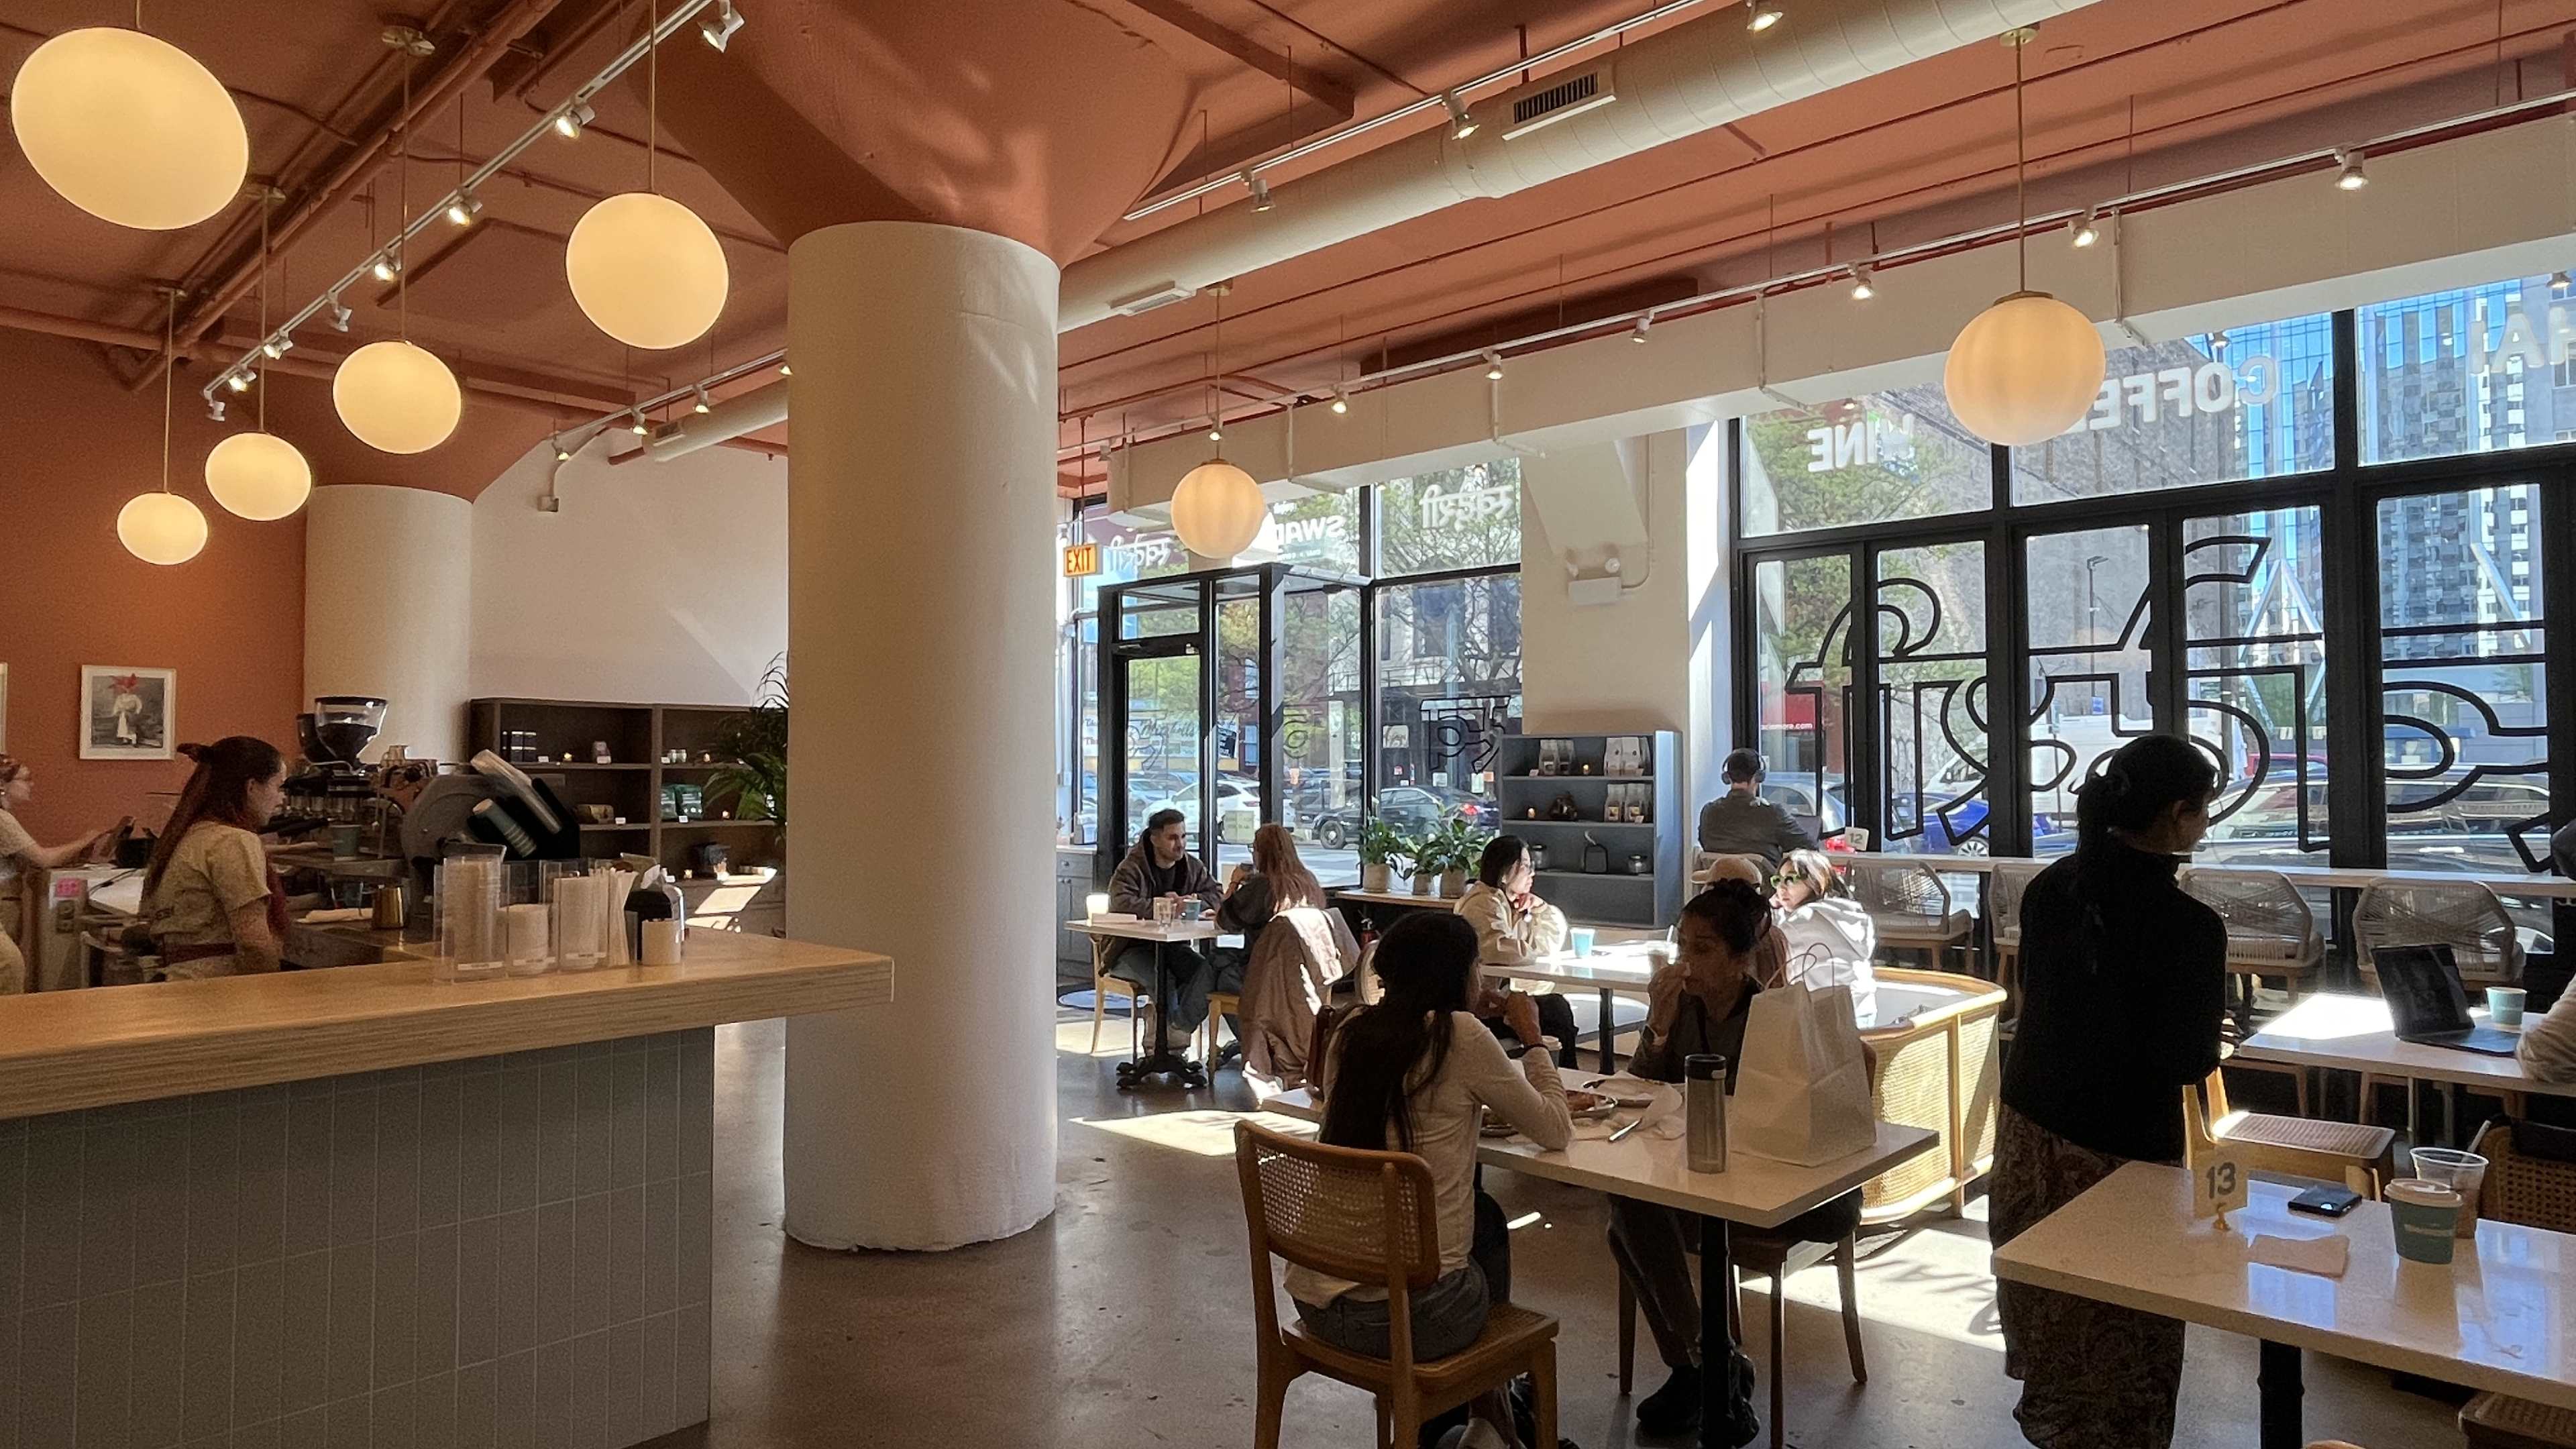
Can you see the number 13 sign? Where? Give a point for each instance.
(2217, 1186)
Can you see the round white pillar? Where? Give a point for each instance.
(920, 514)
(388, 608)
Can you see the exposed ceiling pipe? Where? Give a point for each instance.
(478, 56)
(1689, 79)
(762, 407)
(1684, 81)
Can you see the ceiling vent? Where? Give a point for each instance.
(1161, 294)
(1558, 97)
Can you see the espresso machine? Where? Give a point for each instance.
(333, 788)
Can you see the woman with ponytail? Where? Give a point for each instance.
(212, 904)
(2124, 986)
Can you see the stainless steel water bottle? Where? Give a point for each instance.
(1704, 1112)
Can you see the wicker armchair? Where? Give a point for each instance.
(2464, 916)
(1939, 1071)
(2537, 1193)
(1369, 1217)
(1910, 906)
(2003, 920)
(2270, 933)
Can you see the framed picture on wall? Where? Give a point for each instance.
(128, 713)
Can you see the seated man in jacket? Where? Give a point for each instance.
(1741, 822)
(1161, 865)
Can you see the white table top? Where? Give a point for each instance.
(1626, 967)
(2542, 887)
(1754, 1191)
(1394, 898)
(2500, 1316)
(2352, 1032)
(1206, 930)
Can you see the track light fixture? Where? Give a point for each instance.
(718, 28)
(570, 120)
(1216, 430)
(1461, 125)
(785, 371)
(339, 314)
(1493, 366)
(1863, 285)
(387, 267)
(1760, 15)
(702, 405)
(1341, 399)
(278, 346)
(2351, 177)
(562, 453)
(1260, 190)
(2087, 231)
(2217, 343)
(635, 422)
(463, 208)
(1637, 334)
(2559, 283)
(215, 409)
(238, 382)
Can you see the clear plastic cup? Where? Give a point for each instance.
(2463, 1172)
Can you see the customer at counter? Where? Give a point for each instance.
(1160, 865)
(1741, 822)
(210, 901)
(21, 856)
(1514, 927)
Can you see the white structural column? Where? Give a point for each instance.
(388, 608)
(920, 513)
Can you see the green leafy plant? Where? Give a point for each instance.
(1381, 844)
(754, 744)
(1457, 845)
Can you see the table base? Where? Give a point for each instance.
(2277, 1378)
(1162, 1061)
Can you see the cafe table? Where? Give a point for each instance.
(1754, 1191)
(1158, 1060)
(2352, 1032)
(2501, 1315)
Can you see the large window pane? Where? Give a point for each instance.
(1458, 518)
(1449, 686)
(1320, 530)
(2475, 370)
(2254, 625)
(2247, 402)
(1126, 555)
(1320, 731)
(1932, 697)
(1802, 687)
(2463, 695)
(2085, 613)
(1163, 743)
(1085, 691)
(1238, 730)
(1861, 460)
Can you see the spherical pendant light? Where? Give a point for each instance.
(396, 397)
(646, 271)
(259, 476)
(1218, 509)
(161, 528)
(2024, 370)
(129, 128)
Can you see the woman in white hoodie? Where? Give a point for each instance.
(1830, 938)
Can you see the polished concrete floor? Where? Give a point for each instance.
(1124, 1318)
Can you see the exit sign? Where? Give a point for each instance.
(1081, 560)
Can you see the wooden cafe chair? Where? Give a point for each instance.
(2360, 1157)
(1104, 985)
(1370, 1217)
(2536, 1192)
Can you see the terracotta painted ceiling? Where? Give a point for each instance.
(1050, 119)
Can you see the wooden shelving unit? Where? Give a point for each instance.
(1618, 898)
(631, 785)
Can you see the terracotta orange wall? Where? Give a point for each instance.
(231, 621)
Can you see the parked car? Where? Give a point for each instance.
(1408, 808)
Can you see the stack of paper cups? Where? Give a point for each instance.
(528, 930)
(580, 922)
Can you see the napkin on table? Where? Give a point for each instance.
(2326, 1257)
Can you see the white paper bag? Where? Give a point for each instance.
(1802, 1093)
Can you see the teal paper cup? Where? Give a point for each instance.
(2504, 1006)
(1579, 940)
(2423, 1216)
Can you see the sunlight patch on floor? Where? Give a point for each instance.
(1205, 1132)
(1941, 1283)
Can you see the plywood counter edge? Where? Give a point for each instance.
(60, 1051)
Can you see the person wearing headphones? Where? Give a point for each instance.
(1741, 822)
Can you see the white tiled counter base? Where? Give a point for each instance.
(507, 1252)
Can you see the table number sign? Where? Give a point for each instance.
(2217, 1186)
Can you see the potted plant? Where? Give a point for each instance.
(1381, 845)
(1461, 844)
(754, 745)
(1422, 859)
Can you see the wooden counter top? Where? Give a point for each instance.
(63, 1050)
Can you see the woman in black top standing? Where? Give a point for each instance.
(2123, 989)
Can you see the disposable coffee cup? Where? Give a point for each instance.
(1580, 940)
(2462, 1172)
(2504, 1006)
(2423, 1216)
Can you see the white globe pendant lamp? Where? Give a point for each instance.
(2025, 369)
(129, 128)
(1218, 510)
(258, 476)
(397, 398)
(161, 528)
(647, 271)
